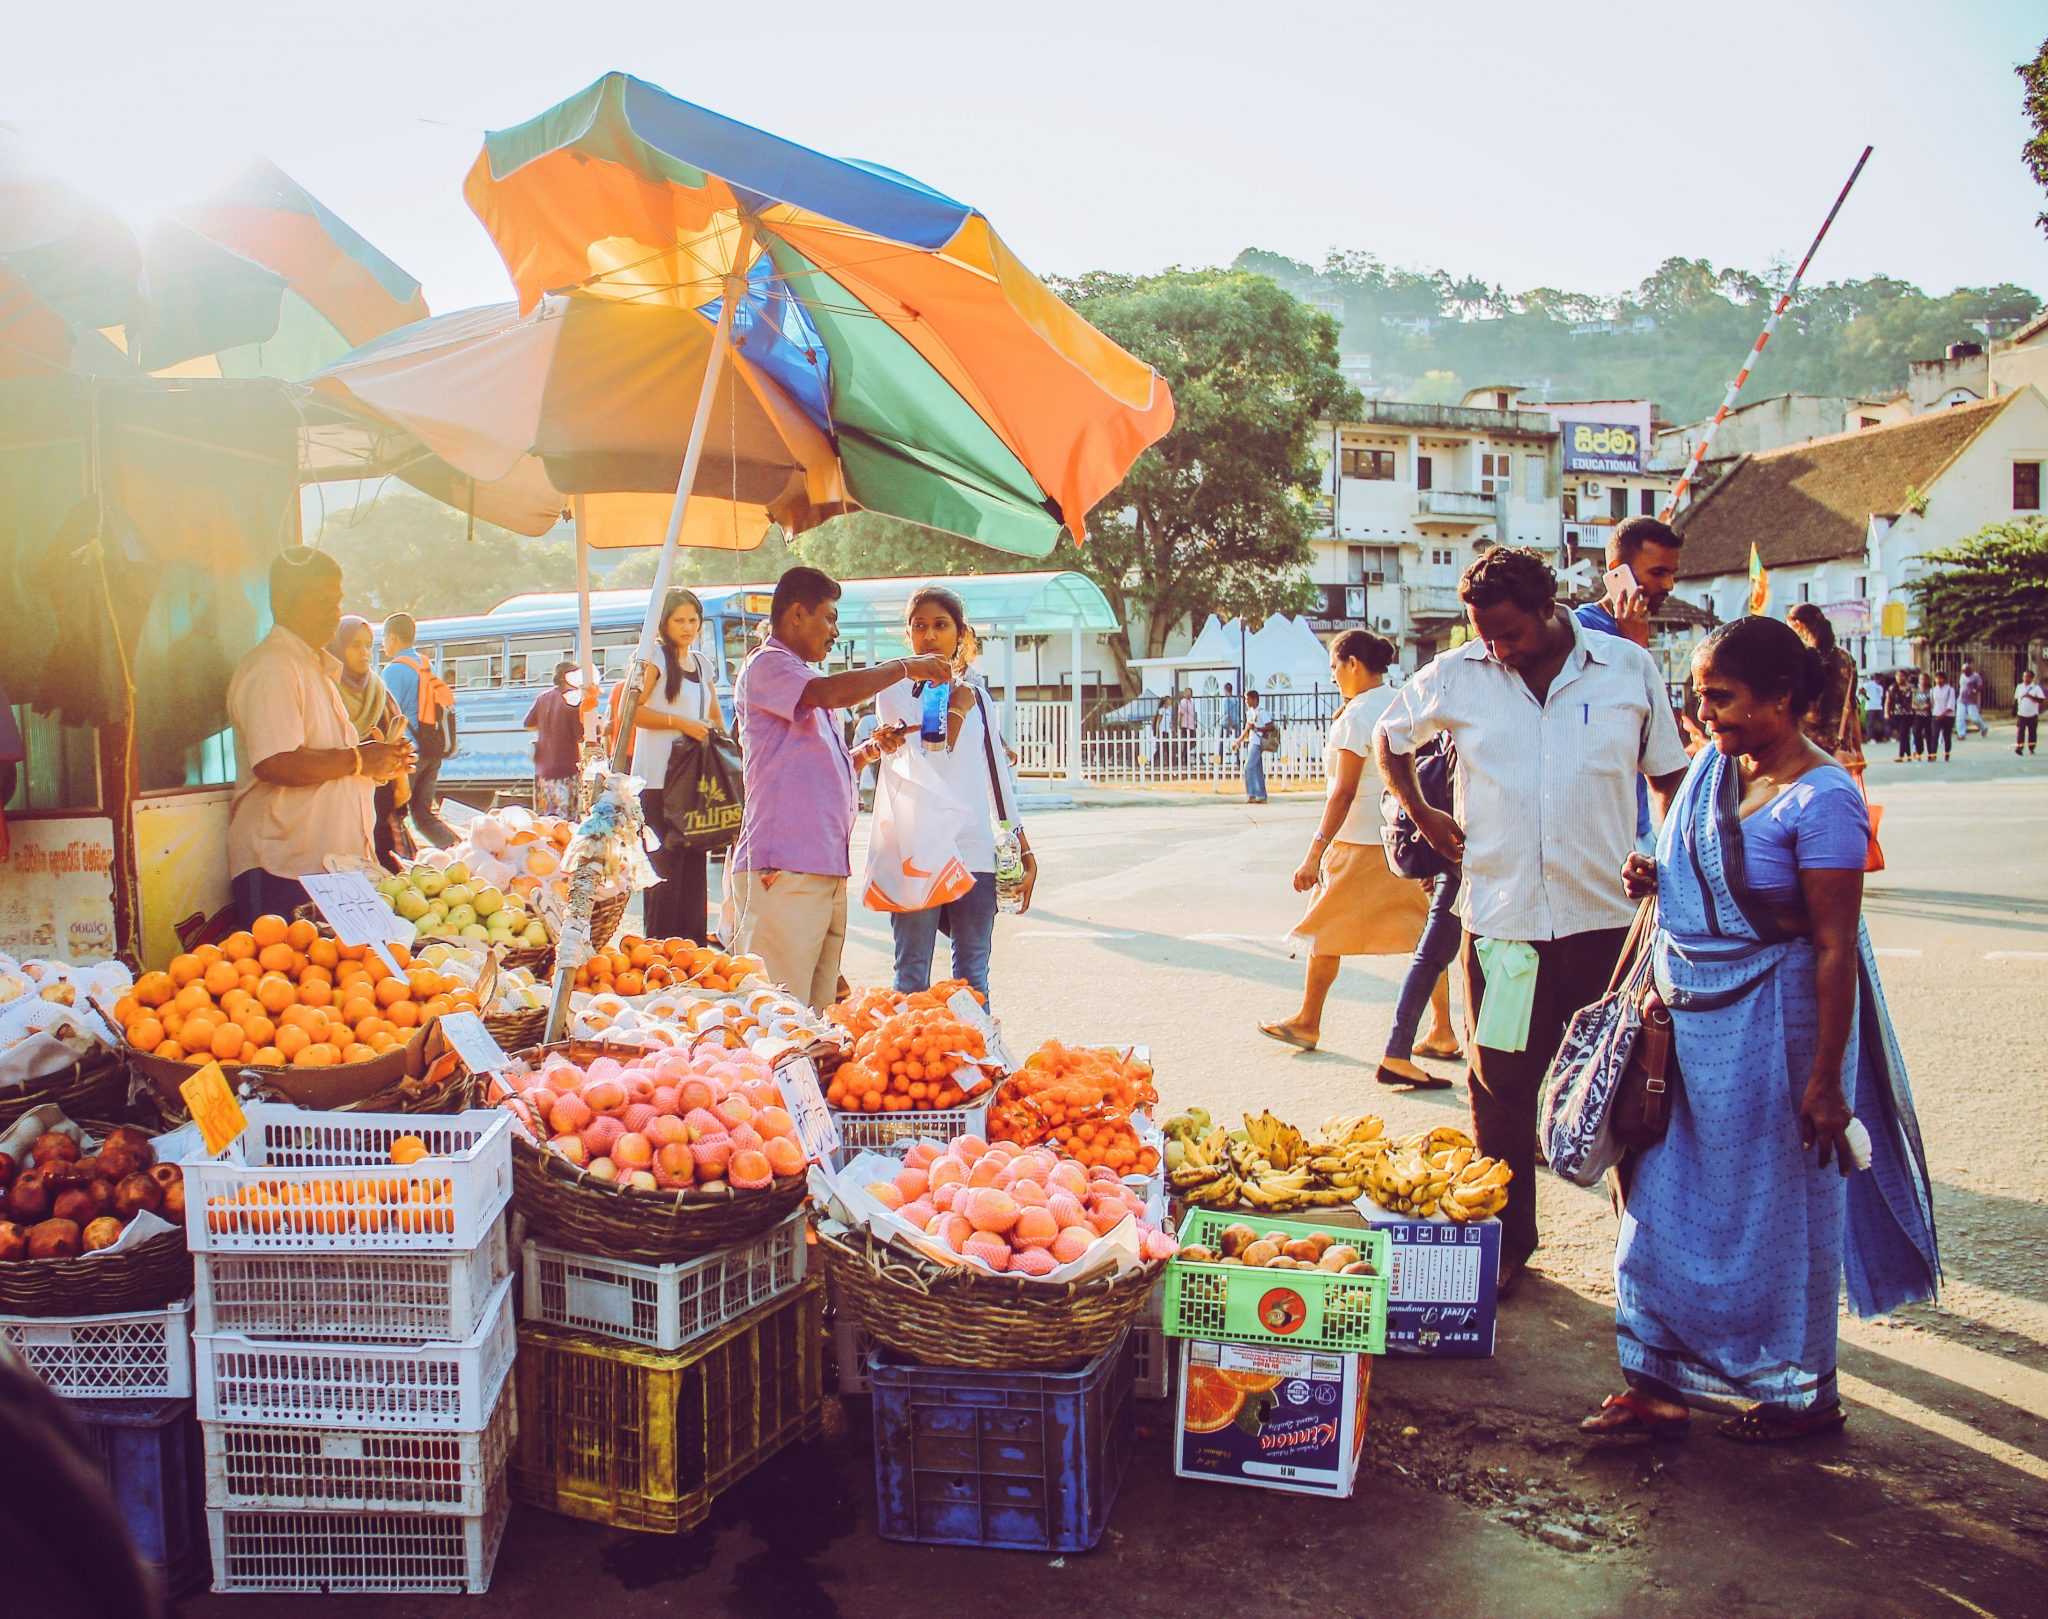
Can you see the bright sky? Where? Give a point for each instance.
(1574, 146)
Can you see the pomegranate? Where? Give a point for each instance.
(52, 1145)
(28, 1199)
(13, 1241)
(136, 1193)
(55, 1239)
(75, 1204)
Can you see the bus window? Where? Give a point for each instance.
(534, 665)
(470, 665)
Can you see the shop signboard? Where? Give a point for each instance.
(57, 897)
(1614, 449)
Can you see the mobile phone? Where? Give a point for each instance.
(1619, 580)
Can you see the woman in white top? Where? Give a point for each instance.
(1361, 908)
(976, 768)
(678, 699)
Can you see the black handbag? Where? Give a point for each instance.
(703, 797)
(1407, 850)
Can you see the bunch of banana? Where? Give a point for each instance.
(1199, 1168)
(1275, 1140)
(1343, 1152)
(1439, 1171)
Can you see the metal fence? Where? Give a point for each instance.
(1130, 755)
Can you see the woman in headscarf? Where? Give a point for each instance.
(376, 716)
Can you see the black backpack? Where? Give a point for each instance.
(1408, 851)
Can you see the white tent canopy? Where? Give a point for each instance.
(1283, 654)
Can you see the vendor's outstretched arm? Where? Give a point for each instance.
(851, 686)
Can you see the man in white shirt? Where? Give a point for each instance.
(306, 785)
(1552, 726)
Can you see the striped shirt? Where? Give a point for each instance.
(1545, 792)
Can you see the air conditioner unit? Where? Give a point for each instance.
(1386, 624)
(1591, 491)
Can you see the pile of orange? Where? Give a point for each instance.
(908, 1063)
(637, 966)
(369, 1206)
(284, 994)
(1079, 1098)
(866, 1010)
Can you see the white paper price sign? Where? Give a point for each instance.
(971, 1012)
(815, 1126)
(356, 912)
(465, 1031)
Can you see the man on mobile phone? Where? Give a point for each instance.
(1642, 571)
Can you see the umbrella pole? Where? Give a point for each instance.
(735, 288)
(592, 731)
(576, 943)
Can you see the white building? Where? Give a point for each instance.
(1847, 521)
(1412, 493)
(1608, 469)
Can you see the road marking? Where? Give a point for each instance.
(1896, 950)
(1070, 933)
(2016, 955)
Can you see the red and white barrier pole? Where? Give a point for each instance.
(1699, 454)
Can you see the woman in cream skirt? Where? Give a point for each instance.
(1359, 907)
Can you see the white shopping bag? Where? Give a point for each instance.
(914, 849)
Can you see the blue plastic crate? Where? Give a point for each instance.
(150, 1456)
(1026, 1460)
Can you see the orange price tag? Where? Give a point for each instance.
(213, 1107)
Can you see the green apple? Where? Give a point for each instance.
(535, 937)
(488, 901)
(473, 931)
(456, 872)
(461, 916)
(458, 893)
(427, 880)
(411, 904)
(392, 887)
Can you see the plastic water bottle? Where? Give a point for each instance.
(1009, 870)
(931, 730)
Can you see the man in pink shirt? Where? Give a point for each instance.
(789, 868)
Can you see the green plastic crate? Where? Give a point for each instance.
(1233, 1303)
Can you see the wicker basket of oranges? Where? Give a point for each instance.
(316, 1021)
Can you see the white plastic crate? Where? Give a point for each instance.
(365, 1298)
(661, 1306)
(861, 1132)
(379, 1553)
(335, 1470)
(304, 1182)
(359, 1386)
(1151, 1363)
(131, 1355)
(850, 1349)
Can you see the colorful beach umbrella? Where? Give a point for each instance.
(956, 390)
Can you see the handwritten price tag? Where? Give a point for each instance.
(356, 912)
(213, 1107)
(971, 1012)
(465, 1031)
(815, 1126)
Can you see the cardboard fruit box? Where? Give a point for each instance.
(1276, 1419)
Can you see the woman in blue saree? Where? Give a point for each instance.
(1741, 1225)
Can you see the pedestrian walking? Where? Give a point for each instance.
(1258, 734)
(1360, 907)
(1898, 711)
(1552, 724)
(1427, 981)
(373, 711)
(1922, 694)
(306, 782)
(1970, 702)
(1642, 570)
(1233, 719)
(1941, 701)
(789, 867)
(976, 771)
(1832, 722)
(2027, 701)
(556, 720)
(1782, 1040)
(678, 697)
(428, 705)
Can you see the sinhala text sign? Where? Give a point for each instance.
(1615, 448)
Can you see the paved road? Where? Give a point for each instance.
(1163, 922)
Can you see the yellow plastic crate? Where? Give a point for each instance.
(640, 1439)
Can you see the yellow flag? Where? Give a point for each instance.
(1759, 582)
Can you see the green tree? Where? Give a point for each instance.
(694, 566)
(1437, 388)
(2034, 77)
(1991, 587)
(1217, 515)
(408, 553)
